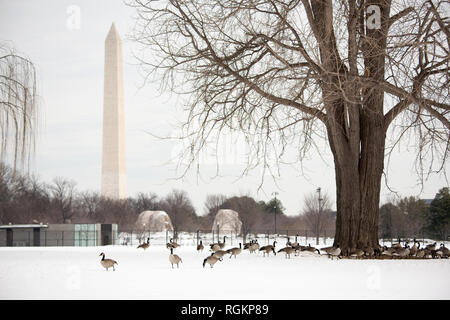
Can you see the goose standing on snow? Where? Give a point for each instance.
(332, 252)
(445, 251)
(200, 247)
(219, 254)
(414, 249)
(145, 245)
(431, 247)
(174, 259)
(218, 245)
(107, 263)
(288, 250)
(288, 243)
(310, 249)
(355, 253)
(402, 252)
(235, 251)
(172, 245)
(268, 249)
(211, 260)
(254, 247)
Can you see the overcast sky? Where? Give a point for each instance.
(68, 51)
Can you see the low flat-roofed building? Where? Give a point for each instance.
(77, 235)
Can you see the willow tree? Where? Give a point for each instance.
(18, 107)
(288, 72)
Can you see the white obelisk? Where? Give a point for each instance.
(113, 153)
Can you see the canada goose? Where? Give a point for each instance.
(397, 245)
(235, 251)
(334, 251)
(388, 251)
(414, 249)
(248, 244)
(222, 244)
(295, 244)
(288, 250)
(445, 251)
(435, 254)
(200, 247)
(172, 245)
(355, 253)
(269, 248)
(401, 252)
(254, 247)
(251, 246)
(377, 250)
(107, 263)
(420, 254)
(218, 245)
(369, 252)
(219, 254)
(144, 245)
(431, 246)
(174, 259)
(310, 249)
(288, 242)
(296, 248)
(211, 260)
(326, 249)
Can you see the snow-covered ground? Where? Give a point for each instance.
(76, 273)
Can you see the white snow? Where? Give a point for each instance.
(76, 273)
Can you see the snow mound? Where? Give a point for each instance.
(154, 220)
(228, 221)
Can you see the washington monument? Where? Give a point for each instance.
(113, 153)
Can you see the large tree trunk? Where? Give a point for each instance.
(358, 183)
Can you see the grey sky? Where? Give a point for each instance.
(69, 63)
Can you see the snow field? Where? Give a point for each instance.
(76, 273)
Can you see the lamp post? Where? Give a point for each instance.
(275, 211)
(318, 217)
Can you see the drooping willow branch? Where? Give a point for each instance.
(18, 108)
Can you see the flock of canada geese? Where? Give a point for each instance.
(396, 251)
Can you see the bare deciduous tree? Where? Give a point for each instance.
(18, 106)
(63, 197)
(213, 203)
(249, 212)
(317, 214)
(178, 206)
(289, 72)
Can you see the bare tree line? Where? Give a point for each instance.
(25, 199)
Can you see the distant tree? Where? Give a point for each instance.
(63, 198)
(90, 203)
(18, 106)
(439, 214)
(273, 206)
(249, 212)
(213, 203)
(146, 201)
(415, 212)
(5, 191)
(385, 221)
(317, 214)
(178, 206)
(402, 218)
